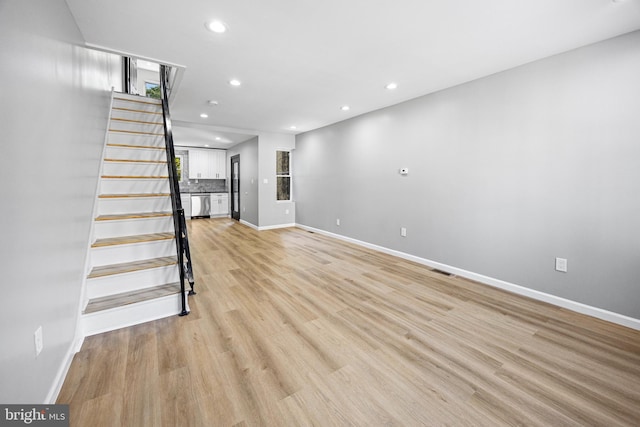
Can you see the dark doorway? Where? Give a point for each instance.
(235, 187)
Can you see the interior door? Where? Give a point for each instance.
(235, 187)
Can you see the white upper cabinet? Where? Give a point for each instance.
(207, 163)
(220, 171)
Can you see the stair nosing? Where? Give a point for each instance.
(132, 239)
(137, 215)
(135, 161)
(136, 132)
(134, 176)
(142, 122)
(131, 267)
(132, 195)
(134, 146)
(140, 101)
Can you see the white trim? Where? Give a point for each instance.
(578, 307)
(54, 391)
(273, 227)
(132, 55)
(267, 227)
(248, 224)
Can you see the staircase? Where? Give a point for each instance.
(134, 275)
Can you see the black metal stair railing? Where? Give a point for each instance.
(179, 222)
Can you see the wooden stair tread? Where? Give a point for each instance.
(125, 240)
(142, 122)
(135, 176)
(135, 132)
(142, 100)
(115, 217)
(135, 161)
(133, 110)
(128, 267)
(132, 195)
(127, 298)
(144, 147)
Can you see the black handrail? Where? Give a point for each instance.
(179, 222)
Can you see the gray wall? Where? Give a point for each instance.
(53, 115)
(248, 152)
(505, 174)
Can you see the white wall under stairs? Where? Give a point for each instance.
(133, 275)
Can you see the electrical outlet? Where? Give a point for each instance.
(37, 338)
(403, 231)
(338, 221)
(561, 265)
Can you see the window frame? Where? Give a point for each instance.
(287, 175)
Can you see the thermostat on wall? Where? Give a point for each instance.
(404, 171)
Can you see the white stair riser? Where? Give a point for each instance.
(118, 103)
(132, 314)
(151, 116)
(135, 154)
(133, 139)
(137, 169)
(133, 227)
(136, 127)
(120, 283)
(117, 254)
(133, 186)
(138, 204)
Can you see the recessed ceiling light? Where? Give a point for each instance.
(391, 86)
(206, 145)
(204, 116)
(218, 138)
(212, 102)
(218, 27)
(293, 127)
(345, 108)
(235, 82)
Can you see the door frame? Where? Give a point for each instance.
(235, 188)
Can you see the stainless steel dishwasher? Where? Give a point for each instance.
(200, 205)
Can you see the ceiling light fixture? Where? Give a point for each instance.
(204, 116)
(235, 82)
(293, 127)
(392, 86)
(206, 145)
(217, 27)
(345, 108)
(218, 138)
(212, 102)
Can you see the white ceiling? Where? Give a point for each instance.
(301, 60)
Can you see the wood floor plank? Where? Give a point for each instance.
(292, 328)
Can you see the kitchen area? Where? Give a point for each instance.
(202, 176)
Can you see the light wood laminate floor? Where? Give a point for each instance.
(291, 328)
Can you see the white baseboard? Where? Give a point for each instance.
(248, 224)
(268, 227)
(596, 312)
(58, 382)
(273, 227)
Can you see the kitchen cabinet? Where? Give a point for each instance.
(185, 198)
(220, 161)
(207, 163)
(219, 204)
